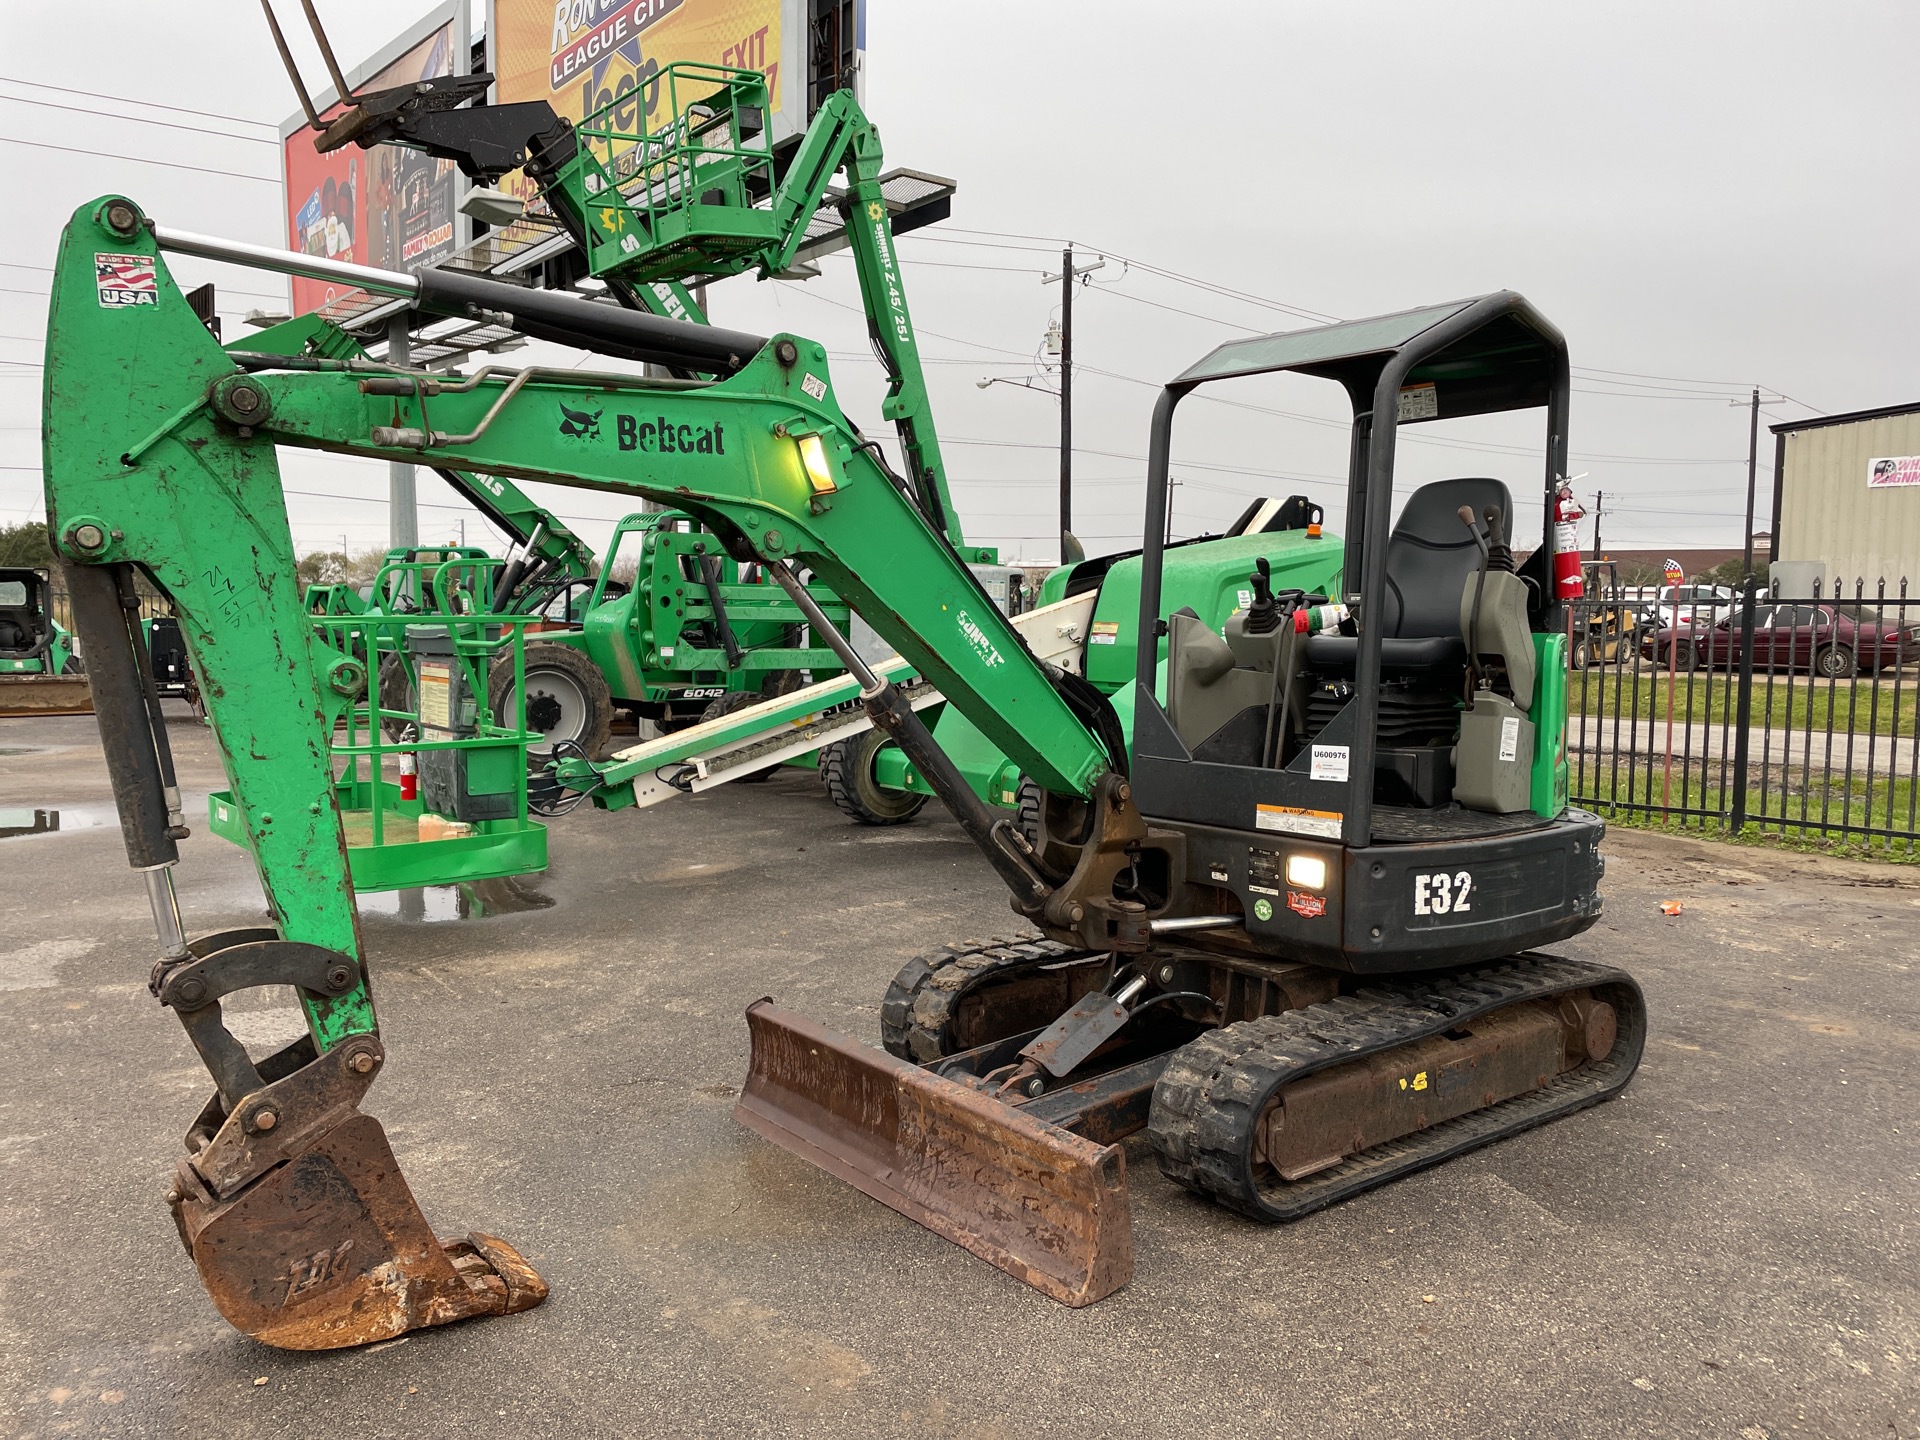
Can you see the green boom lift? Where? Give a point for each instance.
(698, 633)
(1288, 931)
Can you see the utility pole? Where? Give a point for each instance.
(463, 532)
(1066, 400)
(1753, 465)
(1068, 274)
(403, 514)
(1599, 509)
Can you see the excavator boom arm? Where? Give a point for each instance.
(765, 458)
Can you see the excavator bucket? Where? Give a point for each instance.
(24, 695)
(1040, 1202)
(328, 1249)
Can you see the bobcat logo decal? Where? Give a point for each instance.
(580, 424)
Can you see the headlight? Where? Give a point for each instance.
(813, 454)
(1309, 872)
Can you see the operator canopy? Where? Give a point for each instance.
(1506, 362)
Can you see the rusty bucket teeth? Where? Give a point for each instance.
(1042, 1203)
(329, 1249)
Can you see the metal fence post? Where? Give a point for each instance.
(1743, 710)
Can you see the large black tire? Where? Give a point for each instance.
(567, 700)
(1836, 662)
(730, 703)
(846, 769)
(397, 693)
(1686, 656)
(1026, 809)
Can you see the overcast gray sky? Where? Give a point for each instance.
(1703, 196)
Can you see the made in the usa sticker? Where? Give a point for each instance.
(125, 280)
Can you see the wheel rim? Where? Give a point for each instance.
(891, 804)
(556, 708)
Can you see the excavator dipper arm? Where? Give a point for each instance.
(289, 1200)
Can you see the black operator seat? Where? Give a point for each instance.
(1430, 557)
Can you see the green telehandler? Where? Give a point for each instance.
(1287, 931)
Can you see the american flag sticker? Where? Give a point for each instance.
(126, 280)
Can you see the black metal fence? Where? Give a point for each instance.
(152, 603)
(1751, 713)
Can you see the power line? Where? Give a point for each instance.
(1158, 305)
(1485, 446)
(954, 265)
(1679, 379)
(141, 120)
(147, 104)
(946, 238)
(1181, 277)
(218, 288)
(139, 160)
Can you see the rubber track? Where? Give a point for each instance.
(929, 988)
(1215, 1088)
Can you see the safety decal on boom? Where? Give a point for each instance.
(125, 280)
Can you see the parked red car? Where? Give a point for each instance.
(1817, 638)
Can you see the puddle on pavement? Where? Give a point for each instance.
(474, 900)
(16, 821)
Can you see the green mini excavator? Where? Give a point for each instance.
(1287, 933)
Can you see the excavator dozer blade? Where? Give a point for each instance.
(1047, 1206)
(329, 1249)
(24, 695)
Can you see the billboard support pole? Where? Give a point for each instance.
(403, 515)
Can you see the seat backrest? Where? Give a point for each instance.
(1430, 555)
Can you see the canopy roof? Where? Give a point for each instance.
(1507, 362)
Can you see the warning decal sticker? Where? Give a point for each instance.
(1296, 821)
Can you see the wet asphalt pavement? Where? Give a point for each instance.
(1729, 1250)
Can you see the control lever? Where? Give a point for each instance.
(1263, 616)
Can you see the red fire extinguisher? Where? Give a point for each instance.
(409, 776)
(1566, 544)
